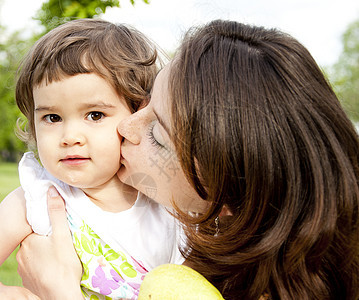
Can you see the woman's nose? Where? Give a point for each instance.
(131, 128)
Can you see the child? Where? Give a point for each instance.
(75, 85)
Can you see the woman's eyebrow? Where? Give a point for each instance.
(163, 124)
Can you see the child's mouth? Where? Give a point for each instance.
(74, 160)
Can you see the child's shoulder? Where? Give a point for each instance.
(13, 224)
(13, 209)
(14, 201)
(15, 195)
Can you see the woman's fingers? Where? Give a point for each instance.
(57, 214)
(46, 263)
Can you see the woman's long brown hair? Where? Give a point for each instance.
(259, 130)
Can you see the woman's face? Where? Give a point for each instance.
(149, 161)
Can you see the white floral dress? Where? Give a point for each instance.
(116, 249)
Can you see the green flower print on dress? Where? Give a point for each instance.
(108, 274)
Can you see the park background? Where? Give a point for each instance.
(328, 28)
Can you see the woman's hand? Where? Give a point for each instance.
(49, 265)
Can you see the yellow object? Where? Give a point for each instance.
(177, 282)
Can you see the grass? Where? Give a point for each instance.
(9, 180)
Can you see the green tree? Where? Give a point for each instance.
(11, 51)
(345, 72)
(56, 12)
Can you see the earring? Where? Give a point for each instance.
(216, 222)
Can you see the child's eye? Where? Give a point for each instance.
(95, 116)
(52, 118)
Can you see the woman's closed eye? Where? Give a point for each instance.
(153, 139)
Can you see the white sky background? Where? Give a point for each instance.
(318, 24)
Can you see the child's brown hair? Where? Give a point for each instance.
(116, 52)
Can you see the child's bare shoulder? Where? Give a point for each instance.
(13, 224)
(13, 213)
(16, 197)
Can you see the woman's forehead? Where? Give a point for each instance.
(160, 97)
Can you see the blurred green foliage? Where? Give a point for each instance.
(56, 12)
(11, 51)
(345, 73)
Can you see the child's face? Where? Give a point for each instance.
(75, 125)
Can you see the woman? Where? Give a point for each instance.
(261, 155)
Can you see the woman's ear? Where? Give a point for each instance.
(225, 211)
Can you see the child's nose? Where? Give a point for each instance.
(72, 136)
